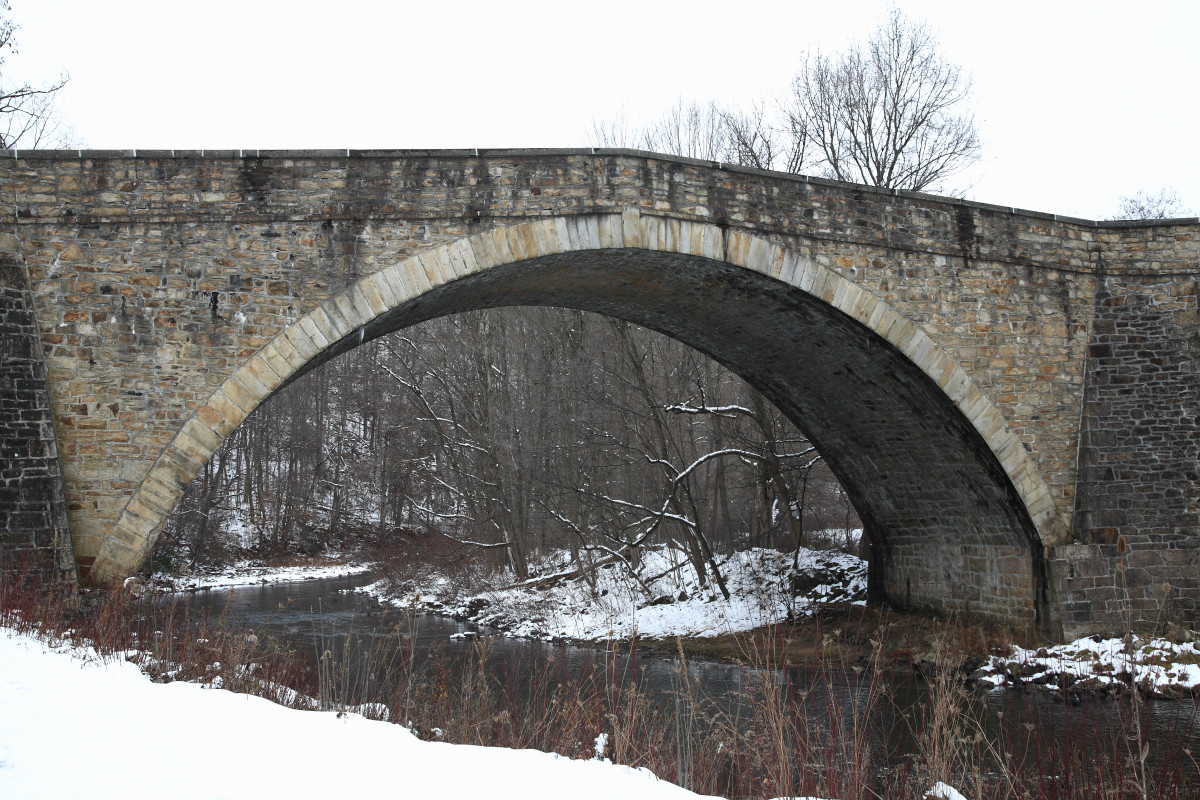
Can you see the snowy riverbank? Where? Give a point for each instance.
(1093, 665)
(251, 573)
(74, 725)
(668, 602)
(663, 600)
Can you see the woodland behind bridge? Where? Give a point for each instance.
(511, 433)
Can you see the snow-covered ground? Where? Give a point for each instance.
(668, 601)
(1095, 664)
(74, 726)
(249, 573)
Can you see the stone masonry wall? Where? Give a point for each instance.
(33, 512)
(156, 274)
(1137, 511)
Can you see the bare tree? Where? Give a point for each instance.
(752, 140)
(887, 114)
(692, 130)
(697, 475)
(706, 131)
(1165, 204)
(27, 115)
(614, 132)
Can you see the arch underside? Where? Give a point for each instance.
(950, 532)
(951, 501)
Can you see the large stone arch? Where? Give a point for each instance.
(676, 276)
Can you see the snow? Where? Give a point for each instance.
(75, 726)
(248, 573)
(619, 608)
(940, 791)
(1155, 664)
(599, 746)
(944, 792)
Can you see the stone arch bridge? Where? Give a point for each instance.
(1012, 399)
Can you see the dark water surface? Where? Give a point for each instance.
(322, 615)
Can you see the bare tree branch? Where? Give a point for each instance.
(27, 115)
(887, 115)
(1165, 204)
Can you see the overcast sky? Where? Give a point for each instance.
(1078, 103)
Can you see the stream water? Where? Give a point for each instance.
(322, 615)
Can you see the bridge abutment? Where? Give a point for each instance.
(1137, 506)
(34, 532)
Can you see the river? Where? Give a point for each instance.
(321, 616)
(318, 615)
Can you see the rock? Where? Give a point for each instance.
(477, 604)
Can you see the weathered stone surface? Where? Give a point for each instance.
(34, 531)
(942, 354)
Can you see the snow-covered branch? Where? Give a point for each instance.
(729, 411)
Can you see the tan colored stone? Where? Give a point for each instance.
(384, 290)
(240, 395)
(345, 307)
(462, 258)
(609, 231)
(524, 232)
(502, 246)
(331, 327)
(258, 366)
(544, 234)
(378, 305)
(413, 274)
(271, 356)
(361, 303)
(208, 439)
(631, 228)
(73, 252)
(301, 342)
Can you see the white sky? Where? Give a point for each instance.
(1078, 102)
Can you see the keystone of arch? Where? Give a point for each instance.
(133, 534)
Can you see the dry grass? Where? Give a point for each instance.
(156, 632)
(828, 732)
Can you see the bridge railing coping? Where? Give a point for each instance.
(577, 151)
